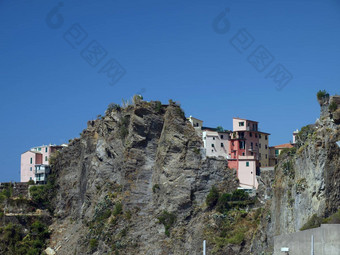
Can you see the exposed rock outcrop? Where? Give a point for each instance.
(127, 171)
(307, 181)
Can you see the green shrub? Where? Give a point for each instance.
(239, 195)
(158, 107)
(123, 127)
(322, 94)
(212, 197)
(333, 219)
(93, 244)
(313, 222)
(332, 106)
(155, 188)
(180, 112)
(15, 240)
(220, 129)
(113, 107)
(168, 220)
(223, 202)
(197, 151)
(237, 238)
(118, 209)
(40, 196)
(304, 134)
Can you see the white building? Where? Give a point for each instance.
(216, 143)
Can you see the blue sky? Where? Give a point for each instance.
(169, 49)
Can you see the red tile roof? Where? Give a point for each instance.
(285, 145)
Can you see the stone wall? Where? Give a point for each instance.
(17, 188)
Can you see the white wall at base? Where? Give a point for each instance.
(247, 174)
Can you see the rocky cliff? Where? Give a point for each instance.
(307, 177)
(135, 182)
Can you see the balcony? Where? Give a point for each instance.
(42, 169)
(253, 149)
(40, 179)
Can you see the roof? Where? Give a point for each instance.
(215, 130)
(36, 152)
(194, 118)
(285, 145)
(245, 119)
(263, 133)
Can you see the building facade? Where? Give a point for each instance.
(263, 149)
(34, 163)
(216, 143)
(275, 151)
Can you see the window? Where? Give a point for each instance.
(256, 144)
(266, 155)
(31, 169)
(252, 153)
(247, 163)
(266, 137)
(259, 145)
(212, 150)
(242, 144)
(213, 145)
(46, 149)
(266, 146)
(222, 145)
(250, 134)
(31, 161)
(39, 149)
(213, 138)
(251, 145)
(45, 158)
(242, 153)
(241, 124)
(221, 136)
(276, 152)
(255, 135)
(260, 136)
(259, 155)
(30, 178)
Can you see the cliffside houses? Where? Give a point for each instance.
(35, 163)
(245, 147)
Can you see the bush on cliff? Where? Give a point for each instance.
(212, 197)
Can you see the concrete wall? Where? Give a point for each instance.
(326, 241)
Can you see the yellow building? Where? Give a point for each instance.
(263, 149)
(275, 151)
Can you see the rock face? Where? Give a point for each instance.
(307, 181)
(129, 171)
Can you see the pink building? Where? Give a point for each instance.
(244, 151)
(34, 163)
(28, 161)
